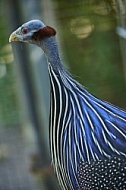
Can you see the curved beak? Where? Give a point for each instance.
(16, 36)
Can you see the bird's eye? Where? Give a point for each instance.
(24, 30)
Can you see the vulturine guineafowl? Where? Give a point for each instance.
(87, 134)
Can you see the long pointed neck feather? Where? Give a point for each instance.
(50, 48)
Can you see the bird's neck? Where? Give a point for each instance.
(50, 48)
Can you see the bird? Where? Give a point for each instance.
(87, 135)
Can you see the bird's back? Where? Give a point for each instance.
(88, 137)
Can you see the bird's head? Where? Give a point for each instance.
(32, 31)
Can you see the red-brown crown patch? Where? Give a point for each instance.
(45, 32)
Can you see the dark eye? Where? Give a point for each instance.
(24, 30)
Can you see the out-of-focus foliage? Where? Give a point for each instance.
(92, 48)
(9, 113)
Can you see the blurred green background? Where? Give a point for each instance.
(90, 47)
(9, 110)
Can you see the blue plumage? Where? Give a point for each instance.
(87, 135)
(90, 129)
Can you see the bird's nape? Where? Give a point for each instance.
(87, 135)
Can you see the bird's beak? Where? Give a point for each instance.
(16, 36)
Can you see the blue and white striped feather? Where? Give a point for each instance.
(82, 128)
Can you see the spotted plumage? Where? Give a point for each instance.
(87, 135)
(108, 174)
